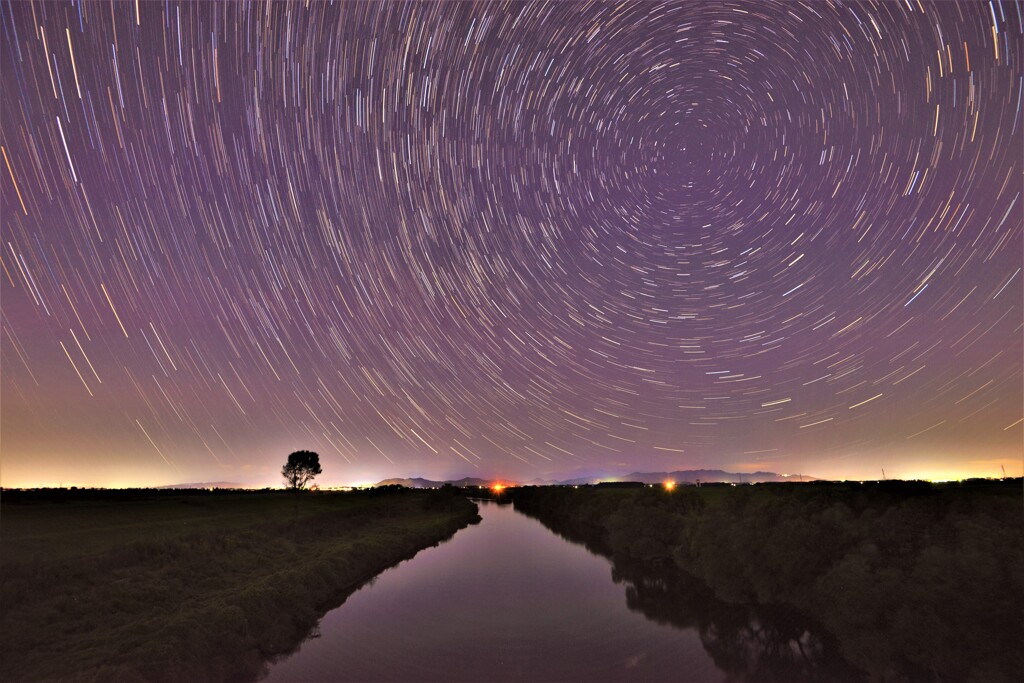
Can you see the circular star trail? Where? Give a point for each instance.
(510, 239)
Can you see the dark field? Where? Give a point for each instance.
(898, 581)
(915, 581)
(191, 585)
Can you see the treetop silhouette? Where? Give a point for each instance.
(300, 469)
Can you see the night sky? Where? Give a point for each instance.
(510, 240)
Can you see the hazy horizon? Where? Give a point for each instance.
(611, 475)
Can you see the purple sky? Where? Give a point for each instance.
(447, 239)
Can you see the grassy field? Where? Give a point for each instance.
(191, 585)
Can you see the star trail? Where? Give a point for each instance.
(510, 239)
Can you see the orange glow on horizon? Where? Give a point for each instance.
(670, 485)
(498, 488)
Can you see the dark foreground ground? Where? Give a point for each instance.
(915, 581)
(191, 585)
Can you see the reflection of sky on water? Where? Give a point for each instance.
(504, 600)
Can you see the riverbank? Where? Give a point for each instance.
(197, 586)
(916, 581)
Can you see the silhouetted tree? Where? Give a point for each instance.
(300, 469)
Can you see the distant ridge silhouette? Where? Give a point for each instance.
(678, 476)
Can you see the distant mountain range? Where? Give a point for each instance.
(693, 476)
(678, 476)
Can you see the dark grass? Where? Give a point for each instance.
(175, 586)
(56, 524)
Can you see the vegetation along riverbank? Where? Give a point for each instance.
(192, 585)
(917, 581)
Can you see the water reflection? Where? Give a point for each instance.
(504, 600)
(508, 600)
(746, 642)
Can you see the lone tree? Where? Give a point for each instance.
(300, 469)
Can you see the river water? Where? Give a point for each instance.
(508, 600)
(503, 600)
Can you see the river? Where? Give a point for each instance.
(508, 600)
